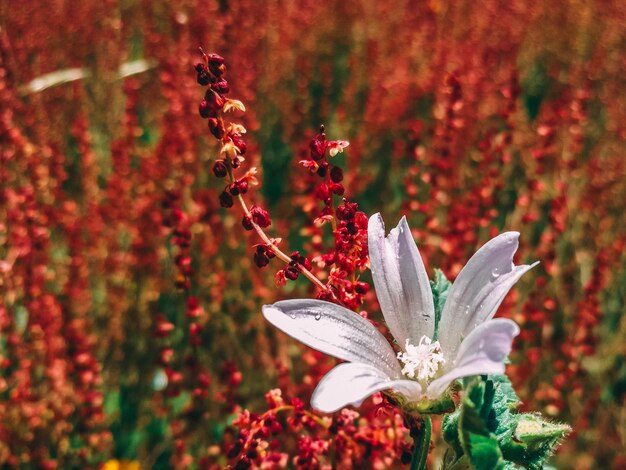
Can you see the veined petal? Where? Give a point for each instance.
(352, 383)
(479, 289)
(401, 281)
(334, 330)
(482, 352)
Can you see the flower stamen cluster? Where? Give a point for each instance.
(421, 362)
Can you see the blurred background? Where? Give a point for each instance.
(469, 117)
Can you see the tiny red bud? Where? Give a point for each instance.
(247, 223)
(219, 169)
(239, 143)
(260, 216)
(260, 257)
(226, 200)
(221, 86)
(216, 126)
(336, 174)
(204, 109)
(361, 287)
(291, 273)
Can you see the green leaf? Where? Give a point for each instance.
(487, 432)
(440, 288)
(478, 442)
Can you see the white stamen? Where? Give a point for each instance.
(421, 361)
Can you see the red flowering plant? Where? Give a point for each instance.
(444, 332)
(130, 325)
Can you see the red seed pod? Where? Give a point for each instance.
(239, 143)
(204, 109)
(247, 223)
(215, 101)
(291, 273)
(260, 216)
(239, 186)
(204, 78)
(221, 86)
(336, 174)
(216, 126)
(226, 200)
(361, 287)
(318, 147)
(337, 189)
(347, 210)
(260, 256)
(322, 169)
(219, 169)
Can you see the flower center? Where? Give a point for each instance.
(421, 361)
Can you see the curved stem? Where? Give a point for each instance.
(421, 445)
(277, 251)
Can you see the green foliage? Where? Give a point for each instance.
(440, 287)
(486, 432)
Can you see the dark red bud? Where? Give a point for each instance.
(291, 273)
(318, 147)
(219, 169)
(215, 59)
(336, 174)
(221, 86)
(239, 143)
(204, 109)
(214, 100)
(203, 78)
(361, 288)
(337, 189)
(240, 186)
(226, 200)
(247, 223)
(260, 256)
(216, 127)
(260, 216)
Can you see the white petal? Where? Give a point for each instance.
(482, 352)
(479, 289)
(334, 330)
(401, 281)
(350, 384)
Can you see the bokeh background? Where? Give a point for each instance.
(468, 117)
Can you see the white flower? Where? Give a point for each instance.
(470, 341)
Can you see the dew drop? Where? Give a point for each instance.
(318, 316)
(495, 273)
(293, 316)
(467, 309)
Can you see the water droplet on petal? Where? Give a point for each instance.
(293, 316)
(318, 316)
(467, 309)
(495, 273)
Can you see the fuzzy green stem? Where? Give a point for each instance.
(421, 445)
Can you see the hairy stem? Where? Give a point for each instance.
(421, 445)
